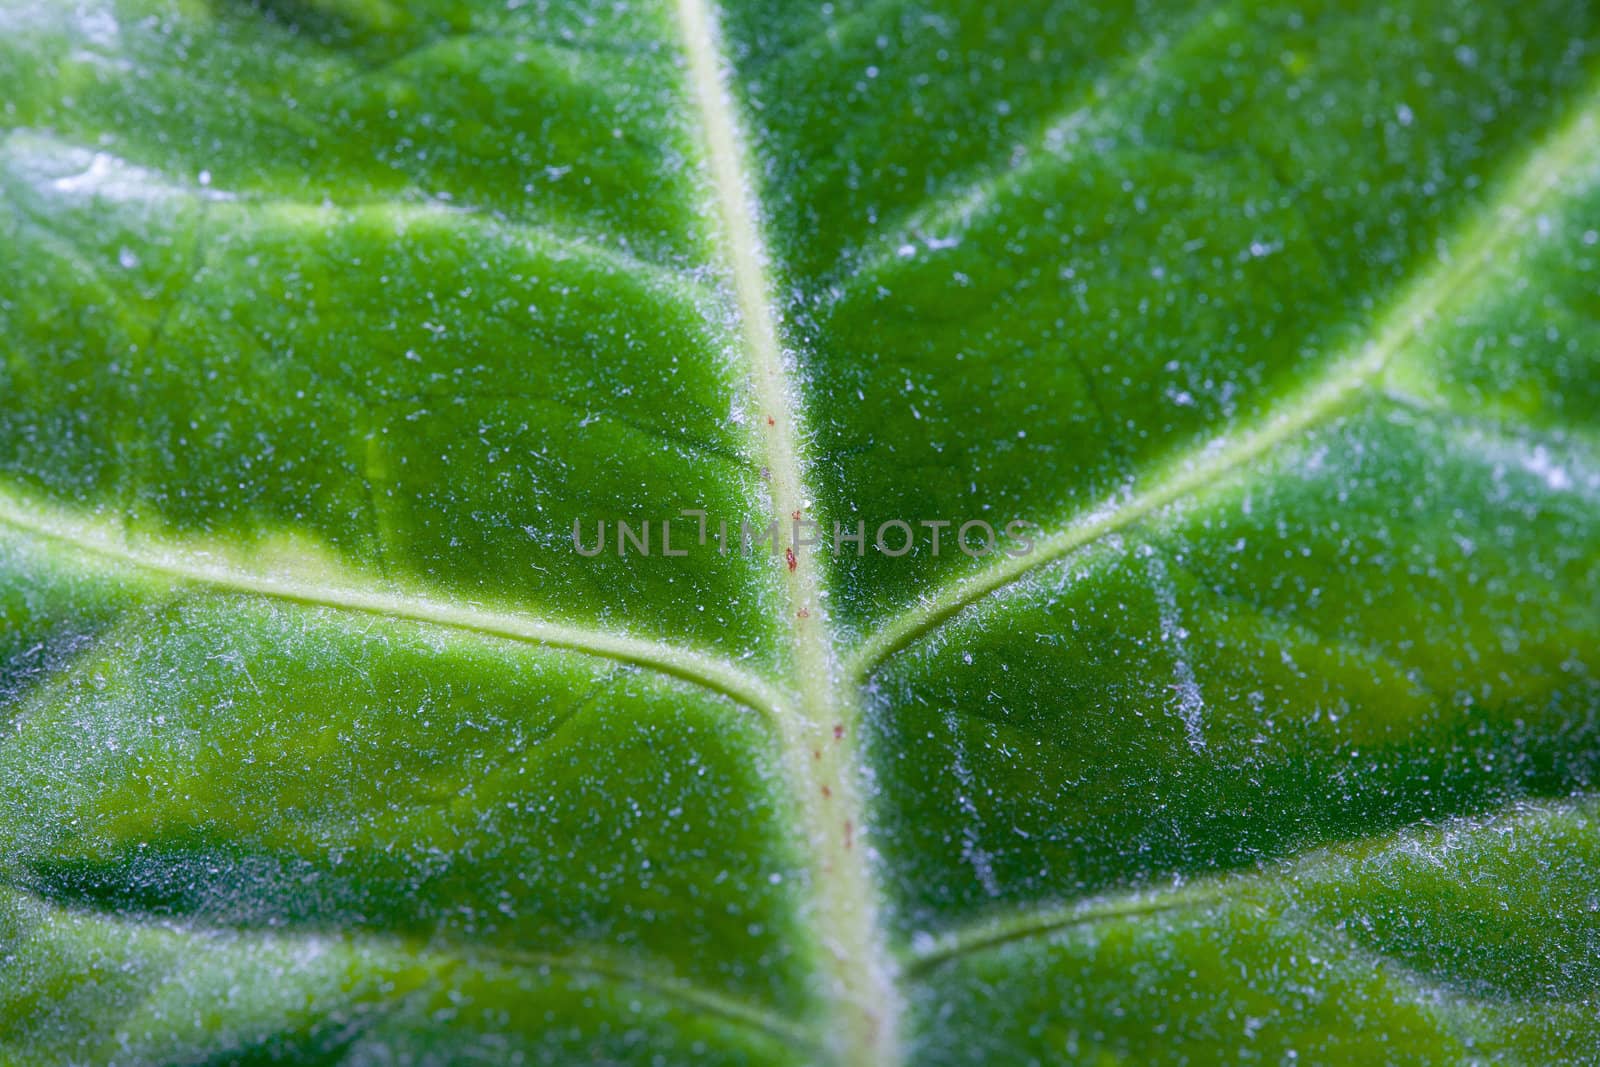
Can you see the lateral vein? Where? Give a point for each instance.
(1232, 887)
(1347, 378)
(695, 997)
(338, 591)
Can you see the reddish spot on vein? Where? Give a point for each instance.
(788, 554)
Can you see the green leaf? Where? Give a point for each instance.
(323, 321)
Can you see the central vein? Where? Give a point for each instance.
(819, 722)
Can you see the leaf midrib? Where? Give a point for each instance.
(819, 726)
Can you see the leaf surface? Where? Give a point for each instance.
(323, 320)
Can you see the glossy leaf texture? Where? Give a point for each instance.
(321, 321)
